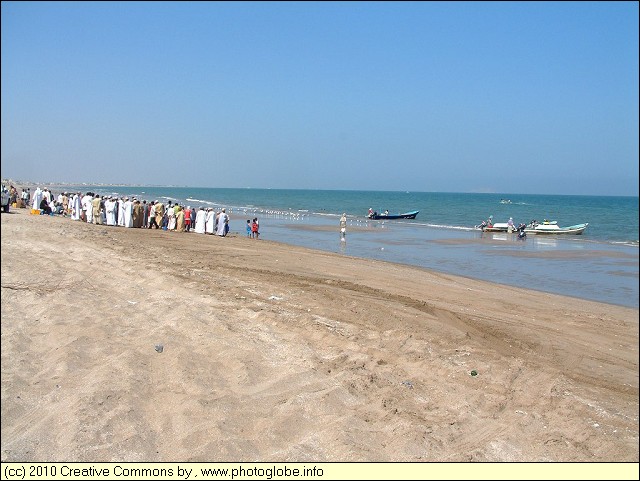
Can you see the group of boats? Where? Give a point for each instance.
(534, 227)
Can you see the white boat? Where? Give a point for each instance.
(488, 226)
(497, 227)
(553, 228)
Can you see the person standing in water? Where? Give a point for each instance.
(343, 227)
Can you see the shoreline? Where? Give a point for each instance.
(281, 212)
(278, 353)
(581, 268)
(589, 271)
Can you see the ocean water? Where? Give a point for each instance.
(601, 264)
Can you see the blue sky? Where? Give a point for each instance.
(522, 97)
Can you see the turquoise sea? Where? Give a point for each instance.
(601, 264)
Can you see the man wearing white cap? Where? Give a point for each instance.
(76, 208)
(223, 221)
(37, 198)
(201, 218)
(110, 209)
(120, 215)
(210, 221)
(87, 205)
(128, 212)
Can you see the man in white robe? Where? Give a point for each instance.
(200, 221)
(37, 198)
(171, 214)
(87, 204)
(128, 212)
(210, 221)
(75, 207)
(223, 218)
(110, 210)
(121, 212)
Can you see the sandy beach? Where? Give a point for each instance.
(137, 345)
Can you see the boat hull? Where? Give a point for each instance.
(553, 229)
(498, 227)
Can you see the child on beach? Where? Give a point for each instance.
(248, 228)
(254, 228)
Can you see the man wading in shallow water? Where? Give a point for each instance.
(343, 227)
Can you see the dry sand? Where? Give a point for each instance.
(278, 353)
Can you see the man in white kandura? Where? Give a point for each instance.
(128, 212)
(37, 198)
(120, 215)
(110, 210)
(201, 217)
(75, 206)
(210, 221)
(223, 219)
(87, 205)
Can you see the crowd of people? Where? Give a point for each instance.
(13, 196)
(130, 212)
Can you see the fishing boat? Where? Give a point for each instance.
(386, 215)
(554, 228)
(497, 227)
(489, 226)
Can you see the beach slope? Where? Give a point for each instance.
(136, 345)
